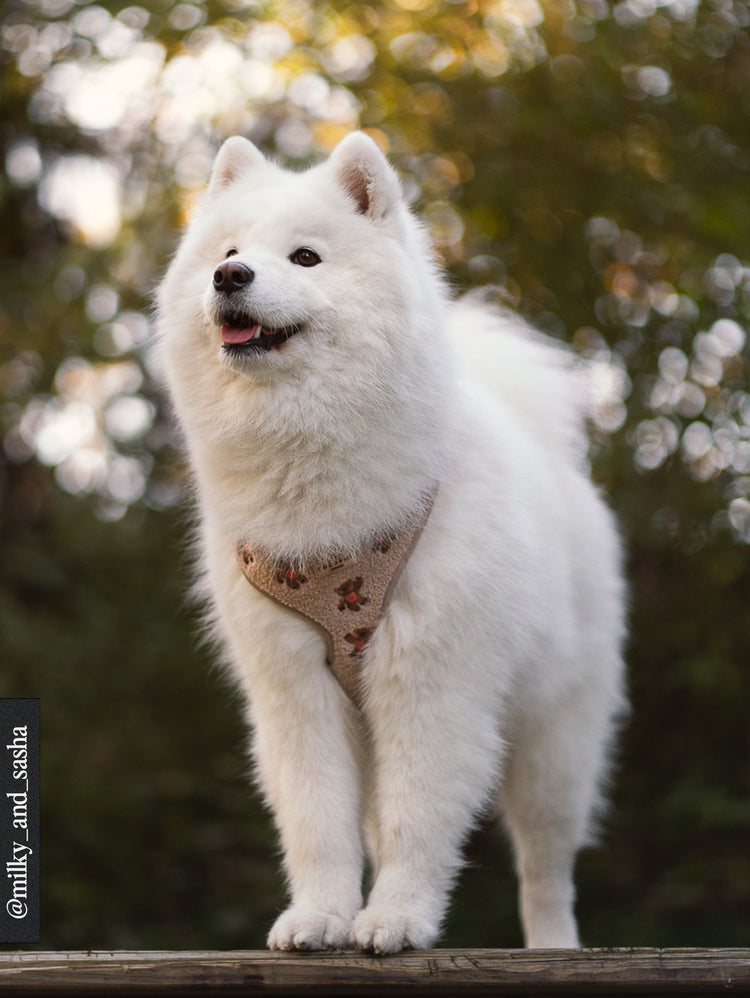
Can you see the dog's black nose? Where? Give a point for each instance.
(231, 276)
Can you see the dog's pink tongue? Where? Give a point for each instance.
(231, 335)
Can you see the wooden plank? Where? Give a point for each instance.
(438, 972)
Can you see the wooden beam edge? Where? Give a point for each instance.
(438, 971)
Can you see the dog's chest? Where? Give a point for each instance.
(346, 598)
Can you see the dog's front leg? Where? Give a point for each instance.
(305, 744)
(308, 770)
(436, 754)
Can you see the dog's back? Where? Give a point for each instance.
(535, 378)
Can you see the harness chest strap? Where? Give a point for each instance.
(346, 598)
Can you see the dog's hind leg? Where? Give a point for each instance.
(548, 796)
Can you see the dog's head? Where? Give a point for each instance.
(301, 336)
(285, 270)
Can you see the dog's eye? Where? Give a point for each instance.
(305, 257)
(232, 252)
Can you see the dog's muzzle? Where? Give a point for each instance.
(242, 332)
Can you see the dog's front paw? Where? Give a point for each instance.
(381, 929)
(304, 927)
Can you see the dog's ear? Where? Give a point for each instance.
(365, 174)
(236, 158)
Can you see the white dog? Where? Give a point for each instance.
(338, 405)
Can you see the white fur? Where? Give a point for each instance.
(495, 677)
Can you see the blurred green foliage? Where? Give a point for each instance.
(589, 158)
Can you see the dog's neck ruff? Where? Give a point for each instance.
(346, 597)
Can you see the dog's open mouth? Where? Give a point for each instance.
(243, 334)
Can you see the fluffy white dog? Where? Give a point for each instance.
(335, 400)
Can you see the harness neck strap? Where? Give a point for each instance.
(346, 597)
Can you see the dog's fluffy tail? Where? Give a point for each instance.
(539, 379)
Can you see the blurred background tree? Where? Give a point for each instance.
(590, 159)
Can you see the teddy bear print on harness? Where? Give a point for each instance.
(329, 592)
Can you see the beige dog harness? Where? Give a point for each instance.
(346, 597)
